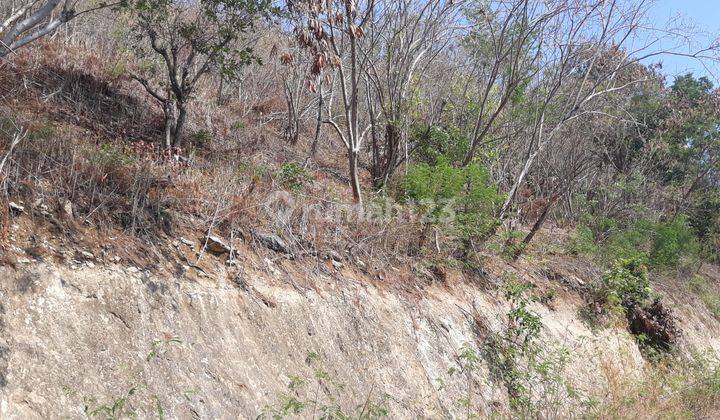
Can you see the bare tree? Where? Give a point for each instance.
(505, 48)
(30, 20)
(586, 48)
(332, 32)
(298, 99)
(403, 38)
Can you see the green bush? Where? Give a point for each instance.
(662, 244)
(673, 240)
(292, 176)
(436, 142)
(462, 199)
(626, 284)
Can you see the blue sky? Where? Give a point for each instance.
(705, 15)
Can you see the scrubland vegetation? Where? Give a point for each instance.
(391, 131)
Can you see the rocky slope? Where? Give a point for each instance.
(110, 340)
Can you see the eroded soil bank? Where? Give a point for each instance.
(112, 339)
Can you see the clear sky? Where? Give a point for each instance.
(705, 15)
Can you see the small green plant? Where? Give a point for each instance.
(159, 348)
(469, 363)
(201, 138)
(116, 409)
(321, 397)
(108, 156)
(531, 372)
(292, 176)
(523, 324)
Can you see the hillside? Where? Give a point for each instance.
(96, 338)
(356, 209)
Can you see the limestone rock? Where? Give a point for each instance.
(217, 245)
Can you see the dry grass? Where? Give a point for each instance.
(681, 388)
(89, 143)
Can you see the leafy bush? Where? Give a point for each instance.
(292, 176)
(662, 244)
(436, 142)
(523, 324)
(624, 292)
(673, 240)
(532, 372)
(463, 199)
(626, 284)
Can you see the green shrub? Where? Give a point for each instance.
(292, 176)
(462, 199)
(611, 239)
(524, 325)
(436, 142)
(201, 138)
(673, 240)
(626, 284)
(662, 244)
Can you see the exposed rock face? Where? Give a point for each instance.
(73, 341)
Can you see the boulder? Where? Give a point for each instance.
(16, 208)
(216, 245)
(273, 242)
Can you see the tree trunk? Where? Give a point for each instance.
(385, 158)
(516, 185)
(179, 125)
(354, 180)
(169, 112)
(536, 227)
(318, 127)
(292, 128)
